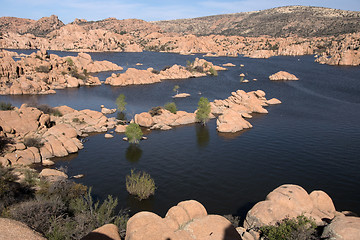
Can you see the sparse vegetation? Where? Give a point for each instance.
(203, 110)
(213, 71)
(77, 120)
(171, 107)
(46, 109)
(42, 69)
(6, 106)
(121, 103)
(155, 111)
(140, 184)
(33, 142)
(176, 89)
(133, 133)
(69, 61)
(291, 229)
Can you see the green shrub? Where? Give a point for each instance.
(69, 61)
(33, 142)
(121, 103)
(171, 107)
(213, 71)
(291, 229)
(133, 133)
(140, 184)
(6, 106)
(77, 120)
(203, 110)
(4, 143)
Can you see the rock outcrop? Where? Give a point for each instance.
(41, 73)
(106, 232)
(342, 228)
(282, 76)
(186, 220)
(290, 201)
(14, 230)
(238, 106)
(36, 136)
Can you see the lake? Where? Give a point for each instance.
(312, 139)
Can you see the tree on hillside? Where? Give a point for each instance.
(133, 133)
(203, 110)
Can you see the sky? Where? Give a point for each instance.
(150, 10)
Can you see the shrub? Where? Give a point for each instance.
(4, 141)
(199, 69)
(42, 69)
(33, 142)
(6, 106)
(46, 109)
(235, 220)
(121, 103)
(77, 120)
(290, 229)
(69, 61)
(155, 111)
(165, 68)
(140, 184)
(171, 107)
(155, 71)
(133, 133)
(203, 110)
(176, 89)
(213, 71)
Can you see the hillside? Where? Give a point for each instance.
(276, 22)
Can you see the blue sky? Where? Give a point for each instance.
(150, 10)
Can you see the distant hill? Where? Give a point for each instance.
(276, 22)
(39, 28)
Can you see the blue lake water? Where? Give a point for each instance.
(312, 139)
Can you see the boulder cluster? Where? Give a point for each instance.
(132, 76)
(43, 73)
(35, 137)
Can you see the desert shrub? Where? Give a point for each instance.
(69, 61)
(291, 229)
(4, 141)
(46, 109)
(155, 111)
(171, 107)
(33, 142)
(199, 69)
(165, 68)
(122, 117)
(155, 71)
(31, 178)
(42, 69)
(74, 73)
(203, 110)
(133, 133)
(140, 184)
(77, 120)
(213, 71)
(235, 220)
(11, 192)
(36, 213)
(6, 106)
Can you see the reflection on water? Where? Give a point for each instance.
(133, 153)
(144, 205)
(202, 135)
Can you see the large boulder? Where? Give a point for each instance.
(14, 230)
(342, 228)
(106, 232)
(187, 220)
(282, 75)
(290, 201)
(144, 119)
(231, 121)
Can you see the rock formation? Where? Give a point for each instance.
(232, 111)
(41, 73)
(186, 220)
(282, 76)
(36, 136)
(14, 230)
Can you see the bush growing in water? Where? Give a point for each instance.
(291, 229)
(140, 184)
(203, 111)
(171, 107)
(213, 71)
(6, 106)
(133, 133)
